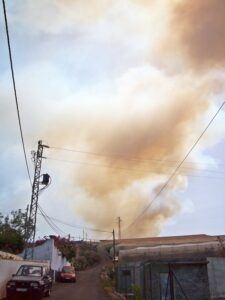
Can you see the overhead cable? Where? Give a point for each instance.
(137, 171)
(51, 219)
(177, 168)
(124, 157)
(15, 92)
(48, 220)
(79, 226)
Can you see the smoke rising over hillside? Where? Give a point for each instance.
(143, 78)
(150, 117)
(151, 114)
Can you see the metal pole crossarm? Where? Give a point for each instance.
(45, 146)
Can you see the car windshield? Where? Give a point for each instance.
(68, 270)
(29, 271)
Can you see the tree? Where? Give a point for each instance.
(12, 231)
(18, 221)
(1, 217)
(10, 239)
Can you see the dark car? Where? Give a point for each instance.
(30, 282)
(68, 274)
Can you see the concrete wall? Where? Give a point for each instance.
(44, 251)
(57, 260)
(216, 275)
(41, 252)
(48, 251)
(9, 267)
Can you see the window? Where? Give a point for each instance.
(30, 271)
(68, 270)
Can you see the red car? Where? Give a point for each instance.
(68, 274)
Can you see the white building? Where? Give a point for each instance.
(49, 251)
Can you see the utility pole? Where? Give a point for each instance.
(119, 228)
(26, 223)
(31, 224)
(114, 249)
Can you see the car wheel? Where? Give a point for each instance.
(48, 293)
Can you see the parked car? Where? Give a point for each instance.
(68, 274)
(33, 281)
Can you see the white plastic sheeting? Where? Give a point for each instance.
(173, 251)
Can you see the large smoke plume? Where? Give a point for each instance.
(141, 134)
(200, 31)
(152, 116)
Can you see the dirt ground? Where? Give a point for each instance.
(87, 287)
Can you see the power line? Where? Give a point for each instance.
(79, 226)
(122, 168)
(48, 220)
(57, 230)
(97, 165)
(123, 157)
(53, 227)
(14, 88)
(177, 168)
(139, 171)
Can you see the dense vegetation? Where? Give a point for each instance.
(12, 232)
(88, 256)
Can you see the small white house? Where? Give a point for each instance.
(49, 251)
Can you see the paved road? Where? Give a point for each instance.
(87, 287)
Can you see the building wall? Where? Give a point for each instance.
(189, 279)
(44, 251)
(216, 275)
(126, 278)
(48, 251)
(57, 260)
(41, 252)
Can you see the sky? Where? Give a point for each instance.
(129, 86)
